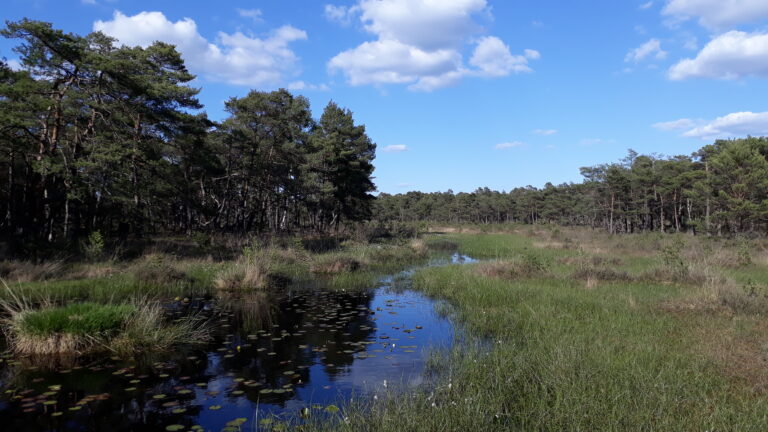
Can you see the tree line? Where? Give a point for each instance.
(100, 137)
(720, 189)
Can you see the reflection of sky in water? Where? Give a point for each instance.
(385, 316)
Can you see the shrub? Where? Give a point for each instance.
(93, 248)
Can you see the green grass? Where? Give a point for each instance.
(556, 355)
(77, 319)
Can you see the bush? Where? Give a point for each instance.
(93, 248)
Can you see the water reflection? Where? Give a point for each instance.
(271, 354)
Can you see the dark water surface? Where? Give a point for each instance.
(272, 357)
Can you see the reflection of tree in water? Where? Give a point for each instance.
(101, 393)
(307, 328)
(298, 331)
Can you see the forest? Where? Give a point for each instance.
(721, 189)
(96, 137)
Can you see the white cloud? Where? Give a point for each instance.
(254, 14)
(508, 145)
(652, 48)
(420, 43)
(645, 6)
(717, 14)
(493, 58)
(532, 54)
(676, 125)
(341, 14)
(14, 64)
(395, 148)
(729, 56)
(391, 61)
(301, 85)
(596, 141)
(738, 124)
(234, 58)
(545, 131)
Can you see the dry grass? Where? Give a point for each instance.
(147, 330)
(245, 274)
(25, 271)
(420, 247)
(517, 268)
(334, 265)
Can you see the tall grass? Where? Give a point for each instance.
(632, 352)
(43, 327)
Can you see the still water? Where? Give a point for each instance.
(273, 357)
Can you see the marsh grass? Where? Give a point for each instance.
(147, 329)
(42, 327)
(245, 274)
(654, 344)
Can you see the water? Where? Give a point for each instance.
(271, 357)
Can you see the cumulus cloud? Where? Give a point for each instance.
(738, 124)
(395, 148)
(420, 43)
(645, 6)
(545, 132)
(717, 14)
(731, 55)
(652, 48)
(234, 58)
(494, 59)
(508, 145)
(341, 14)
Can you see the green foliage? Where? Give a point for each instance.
(93, 247)
(744, 253)
(99, 137)
(77, 319)
(721, 189)
(671, 254)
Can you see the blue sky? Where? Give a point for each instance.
(460, 94)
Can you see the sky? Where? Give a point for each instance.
(461, 94)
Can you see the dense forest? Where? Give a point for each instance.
(100, 137)
(721, 189)
(96, 137)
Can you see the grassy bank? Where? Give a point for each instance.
(255, 266)
(77, 307)
(592, 333)
(78, 328)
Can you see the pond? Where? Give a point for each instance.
(273, 357)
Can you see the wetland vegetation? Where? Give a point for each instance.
(165, 272)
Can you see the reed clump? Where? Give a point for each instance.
(44, 328)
